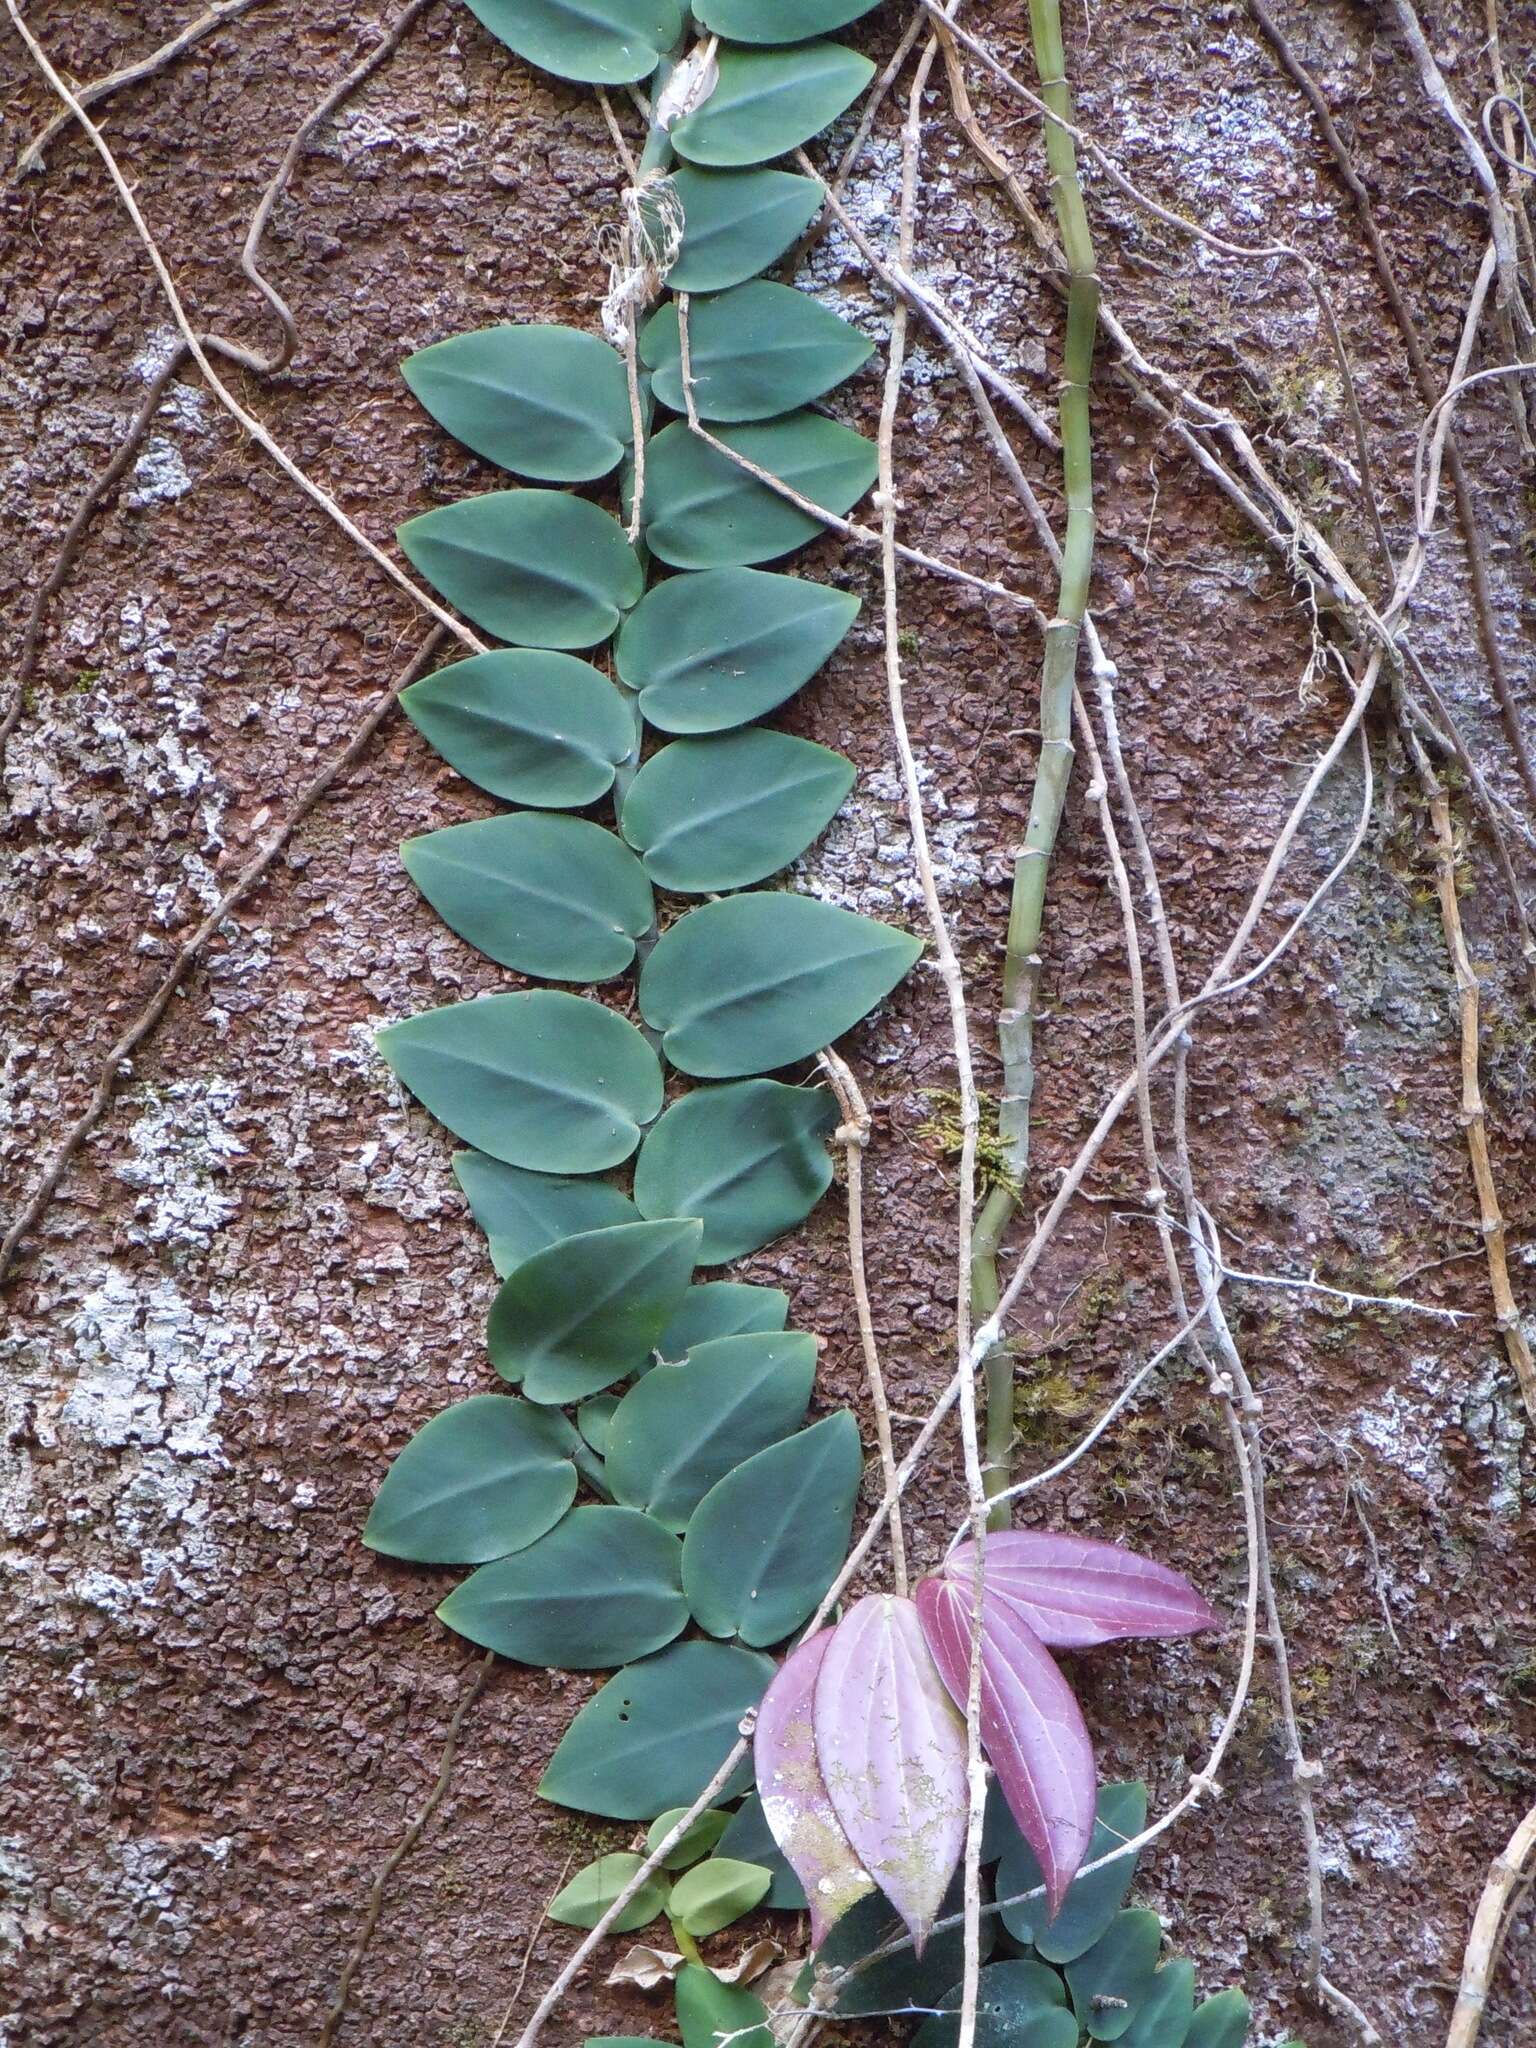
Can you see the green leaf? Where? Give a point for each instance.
(521, 1212)
(786, 21)
(593, 1419)
(722, 1308)
(711, 651)
(768, 101)
(752, 352)
(1091, 1902)
(695, 1841)
(765, 1542)
(754, 982)
(584, 1312)
(704, 511)
(544, 1080)
(721, 813)
(1110, 1981)
(485, 1477)
(624, 2041)
(1164, 2015)
(681, 1428)
(584, 1901)
(538, 567)
(746, 1836)
(709, 2012)
(1018, 2005)
(545, 402)
(1221, 2022)
(735, 223)
(749, 1159)
(597, 42)
(657, 1733)
(902, 1981)
(600, 1589)
(713, 1894)
(556, 897)
(530, 726)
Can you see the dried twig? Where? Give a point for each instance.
(1509, 1876)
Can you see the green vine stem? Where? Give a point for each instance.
(1021, 970)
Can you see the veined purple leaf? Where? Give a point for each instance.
(1031, 1726)
(1073, 1592)
(796, 1804)
(892, 1754)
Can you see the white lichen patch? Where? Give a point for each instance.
(864, 859)
(1406, 1423)
(179, 1151)
(160, 476)
(359, 131)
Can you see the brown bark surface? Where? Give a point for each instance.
(259, 1277)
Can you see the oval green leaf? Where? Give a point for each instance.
(750, 1160)
(584, 1901)
(786, 21)
(539, 567)
(735, 223)
(1164, 2016)
(1016, 2002)
(657, 1733)
(681, 1428)
(765, 1543)
(557, 897)
(544, 1080)
(584, 1312)
(754, 982)
(545, 402)
(521, 1212)
(722, 1308)
(1221, 2022)
(747, 1836)
(709, 2012)
(711, 651)
(1091, 1902)
(486, 1477)
(530, 726)
(722, 813)
(1109, 1982)
(713, 1894)
(704, 511)
(600, 1589)
(593, 1419)
(752, 352)
(597, 42)
(695, 1841)
(768, 100)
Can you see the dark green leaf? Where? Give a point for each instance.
(735, 223)
(784, 21)
(1221, 2022)
(721, 813)
(584, 1312)
(544, 1080)
(768, 101)
(713, 1894)
(765, 1542)
(722, 1308)
(752, 352)
(902, 1981)
(593, 1419)
(1110, 1981)
(599, 1589)
(709, 2011)
(696, 1841)
(538, 567)
(485, 1477)
(754, 982)
(584, 1901)
(746, 1836)
(598, 42)
(521, 1212)
(711, 651)
(681, 1428)
(546, 402)
(749, 1159)
(1164, 2015)
(657, 1733)
(1018, 2005)
(704, 511)
(530, 726)
(556, 897)
(1091, 1902)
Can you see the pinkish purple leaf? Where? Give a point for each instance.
(1073, 1592)
(892, 1753)
(1031, 1726)
(796, 1803)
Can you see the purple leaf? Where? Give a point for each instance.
(796, 1803)
(892, 1753)
(1073, 1592)
(1031, 1726)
